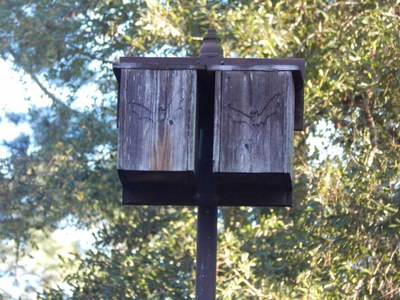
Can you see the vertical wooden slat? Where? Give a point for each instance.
(217, 120)
(289, 121)
(121, 117)
(191, 117)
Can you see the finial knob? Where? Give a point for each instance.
(211, 46)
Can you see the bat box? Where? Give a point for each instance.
(208, 131)
(156, 133)
(253, 136)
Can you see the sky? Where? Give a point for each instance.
(13, 99)
(16, 89)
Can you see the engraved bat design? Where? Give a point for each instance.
(141, 111)
(255, 117)
(164, 109)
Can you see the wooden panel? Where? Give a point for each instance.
(157, 120)
(217, 120)
(254, 123)
(296, 65)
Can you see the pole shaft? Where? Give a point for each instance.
(206, 256)
(207, 212)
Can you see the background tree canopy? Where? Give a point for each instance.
(342, 238)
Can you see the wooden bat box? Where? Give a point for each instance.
(156, 136)
(253, 137)
(208, 131)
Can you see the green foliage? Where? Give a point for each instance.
(340, 241)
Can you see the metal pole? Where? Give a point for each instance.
(206, 256)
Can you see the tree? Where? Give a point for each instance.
(341, 240)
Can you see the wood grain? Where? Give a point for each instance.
(254, 122)
(157, 112)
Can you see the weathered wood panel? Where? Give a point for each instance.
(157, 112)
(296, 65)
(254, 122)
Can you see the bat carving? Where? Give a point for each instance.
(166, 107)
(255, 117)
(141, 111)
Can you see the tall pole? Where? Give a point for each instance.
(206, 256)
(207, 212)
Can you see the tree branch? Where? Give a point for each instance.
(254, 290)
(33, 76)
(44, 89)
(373, 136)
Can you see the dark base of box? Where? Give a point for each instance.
(231, 189)
(254, 195)
(158, 194)
(262, 189)
(157, 188)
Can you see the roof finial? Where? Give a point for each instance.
(211, 46)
